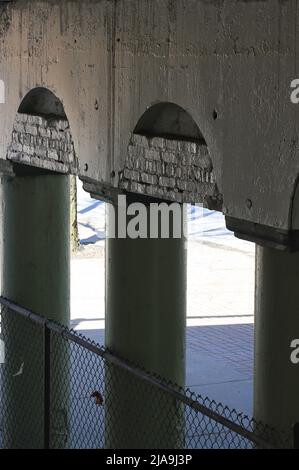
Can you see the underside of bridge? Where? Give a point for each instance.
(174, 101)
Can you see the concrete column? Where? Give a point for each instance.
(36, 275)
(36, 244)
(276, 378)
(145, 324)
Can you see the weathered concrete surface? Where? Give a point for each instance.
(228, 63)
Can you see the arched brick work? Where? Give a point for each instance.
(41, 134)
(168, 158)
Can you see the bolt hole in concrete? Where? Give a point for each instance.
(249, 203)
(215, 114)
(220, 300)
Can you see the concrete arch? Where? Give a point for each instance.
(41, 136)
(168, 158)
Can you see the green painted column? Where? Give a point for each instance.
(145, 324)
(276, 378)
(36, 244)
(36, 275)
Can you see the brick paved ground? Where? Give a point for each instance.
(219, 363)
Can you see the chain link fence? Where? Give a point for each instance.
(61, 390)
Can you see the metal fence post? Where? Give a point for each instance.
(47, 385)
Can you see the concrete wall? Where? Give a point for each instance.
(227, 63)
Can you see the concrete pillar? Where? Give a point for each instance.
(145, 324)
(276, 378)
(36, 275)
(36, 244)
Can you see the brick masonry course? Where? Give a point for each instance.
(43, 142)
(168, 169)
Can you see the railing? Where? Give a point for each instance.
(61, 390)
